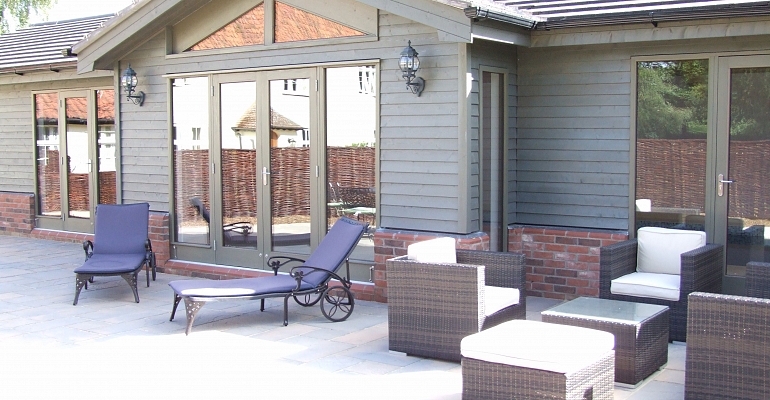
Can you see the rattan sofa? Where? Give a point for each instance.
(701, 270)
(728, 348)
(431, 306)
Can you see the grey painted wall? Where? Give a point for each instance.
(574, 128)
(418, 135)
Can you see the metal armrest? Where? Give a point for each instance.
(88, 247)
(276, 262)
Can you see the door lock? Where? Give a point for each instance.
(721, 184)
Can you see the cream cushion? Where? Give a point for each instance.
(643, 284)
(438, 251)
(660, 249)
(497, 298)
(538, 345)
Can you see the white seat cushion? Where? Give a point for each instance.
(660, 249)
(439, 251)
(538, 345)
(496, 298)
(643, 284)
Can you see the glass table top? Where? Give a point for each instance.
(606, 309)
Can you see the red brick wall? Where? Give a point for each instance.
(389, 243)
(561, 263)
(17, 213)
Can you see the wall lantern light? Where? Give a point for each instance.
(409, 64)
(129, 81)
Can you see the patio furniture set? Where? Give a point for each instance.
(469, 306)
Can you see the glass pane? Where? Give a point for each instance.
(191, 159)
(290, 164)
(47, 146)
(247, 30)
(293, 25)
(105, 130)
(351, 123)
(749, 163)
(78, 163)
(238, 131)
(671, 144)
(492, 158)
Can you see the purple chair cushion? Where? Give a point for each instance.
(111, 264)
(121, 228)
(237, 287)
(333, 249)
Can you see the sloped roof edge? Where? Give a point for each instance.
(545, 14)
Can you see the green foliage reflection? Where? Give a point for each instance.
(672, 99)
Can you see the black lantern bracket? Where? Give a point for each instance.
(409, 63)
(129, 82)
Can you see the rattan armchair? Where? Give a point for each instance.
(431, 307)
(728, 348)
(701, 270)
(758, 279)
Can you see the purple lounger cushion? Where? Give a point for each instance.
(111, 264)
(237, 287)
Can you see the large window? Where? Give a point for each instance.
(671, 130)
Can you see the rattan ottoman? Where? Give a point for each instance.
(532, 360)
(641, 332)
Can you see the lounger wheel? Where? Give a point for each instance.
(308, 300)
(337, 303)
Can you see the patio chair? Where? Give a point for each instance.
(661, 266)
(120, 247)
(728, 348)
(433, 305)
(307, 282)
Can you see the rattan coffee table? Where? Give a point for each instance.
(641, 332)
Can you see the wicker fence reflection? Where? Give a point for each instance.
(290, 178)
(672, 174)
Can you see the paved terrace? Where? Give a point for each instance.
(108, 347)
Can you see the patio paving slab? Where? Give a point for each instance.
(107, 342)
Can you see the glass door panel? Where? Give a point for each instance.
(289, 135)
(106, 141)
(351, 124)
(48, 159)
(742, 187)
(78, 163)
(238, 142)
(492, 164)
(192, 202)
(671, 144)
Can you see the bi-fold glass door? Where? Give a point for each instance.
(259, 171)
(75, 157)
(702, 135)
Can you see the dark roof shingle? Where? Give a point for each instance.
(41, 46)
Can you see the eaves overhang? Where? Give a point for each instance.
(547, 15)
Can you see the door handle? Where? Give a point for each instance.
(265, 173)
(721, 184)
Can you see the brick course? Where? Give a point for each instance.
(561, 263)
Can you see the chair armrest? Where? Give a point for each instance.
(702, 270)
(88, 248)
(502, 269)
(758, 279)
(276, 262)
(615, 261)
(420, 291)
